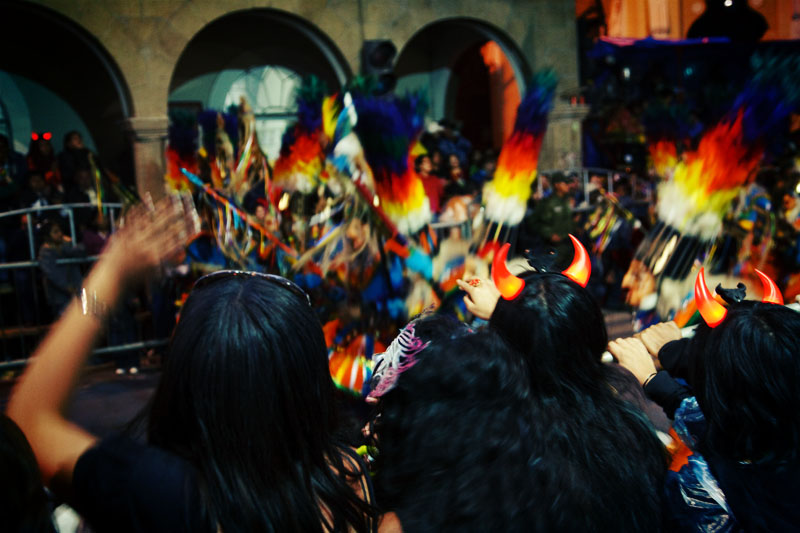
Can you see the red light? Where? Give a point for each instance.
(47, 136)
(34, 136)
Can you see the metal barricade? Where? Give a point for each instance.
(21, 279)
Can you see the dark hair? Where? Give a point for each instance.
(560, 329)
(452, 435)
(37, 160)
(47, 226)
(746, 376)
(246, 396)
(599, 463)
(419, 159)
(23, 501)
(34, 172)
(69, 135)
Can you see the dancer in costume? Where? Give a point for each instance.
(706, 181)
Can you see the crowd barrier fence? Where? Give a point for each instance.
(20, 286)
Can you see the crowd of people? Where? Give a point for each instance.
(41, 177)
(608, 213)
(38, 180)
(34, 182)
(517, 425)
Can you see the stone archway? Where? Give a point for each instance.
(66, 76)
(260, 36)
(261, 54)
(444, 53)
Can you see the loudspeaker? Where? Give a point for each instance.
(377, 59)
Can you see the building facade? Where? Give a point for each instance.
(120, 64)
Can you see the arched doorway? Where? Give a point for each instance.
(472, 72)
(261, 54)
(59, 78)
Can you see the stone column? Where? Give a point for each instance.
(149, 138)
(561, 146)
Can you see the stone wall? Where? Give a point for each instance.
(146, 38)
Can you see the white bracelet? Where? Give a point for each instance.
(91, 305)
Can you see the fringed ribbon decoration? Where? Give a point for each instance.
(236, 214)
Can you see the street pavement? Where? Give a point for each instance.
(105, 402)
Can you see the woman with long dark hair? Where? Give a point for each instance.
(451, 431)
(241, 429)
(599, 465)
(738, 419)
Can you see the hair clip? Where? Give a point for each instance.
(732, 296)
(398, 357)
(714, 313)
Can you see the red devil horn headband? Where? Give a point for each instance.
(507, 283)
(712, 311)
(510, 285)
(771, 293)
(581, 267)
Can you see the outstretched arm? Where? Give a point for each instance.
(37, 404)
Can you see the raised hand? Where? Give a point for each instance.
(150, 235)
(481, 298)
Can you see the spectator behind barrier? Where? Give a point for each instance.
(452, 433)
(12, 176)
(241, 426)
(61, 281)
(37, 194)
(42, 158)
(73, 158)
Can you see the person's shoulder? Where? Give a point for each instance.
(142, 462)
(47, 250)
(122, 481)
(390, 523)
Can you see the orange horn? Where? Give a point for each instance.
(772, 295)
(711, 310)
(507, 283)
(581, 267)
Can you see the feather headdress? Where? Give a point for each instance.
(301, 158)
(387, 129)
(506, 195)
(708, 179)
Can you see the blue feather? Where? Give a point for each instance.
(769, 98)
(537, 103)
